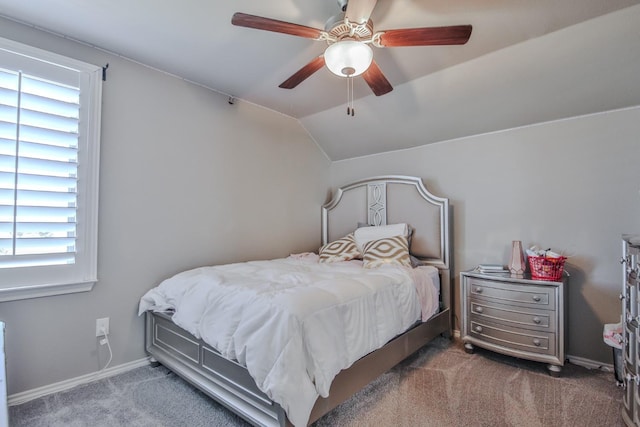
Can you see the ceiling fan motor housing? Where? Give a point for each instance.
(338, 28)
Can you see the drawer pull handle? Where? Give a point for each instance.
(621, 297)
(479, 290)
(478, 329)
(536, 320)
(536, 298)
(478, 309)
(536, 342)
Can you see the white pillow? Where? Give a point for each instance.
(367, 234)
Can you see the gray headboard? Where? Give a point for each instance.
(394, 199)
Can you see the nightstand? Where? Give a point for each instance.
(516, 316)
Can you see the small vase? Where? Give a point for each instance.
(516, 264)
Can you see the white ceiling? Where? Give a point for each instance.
(527, 61)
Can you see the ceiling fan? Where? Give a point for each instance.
(349, 35)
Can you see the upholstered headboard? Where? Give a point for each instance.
(394, 199)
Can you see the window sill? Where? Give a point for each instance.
(26, 292)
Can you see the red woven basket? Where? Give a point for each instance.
(547, 268)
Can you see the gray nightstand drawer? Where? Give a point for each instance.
(515, 338)
(528, 296)
(514, 316)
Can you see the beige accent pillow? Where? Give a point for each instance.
(390, 250)
(343, 249)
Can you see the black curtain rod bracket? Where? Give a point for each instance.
(104, 72)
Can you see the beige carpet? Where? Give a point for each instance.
(440, 386)
(444, 386)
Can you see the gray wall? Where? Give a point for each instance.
(572, 185)
(186, 180)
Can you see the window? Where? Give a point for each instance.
(49, 160)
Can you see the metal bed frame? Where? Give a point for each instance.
(376, 201)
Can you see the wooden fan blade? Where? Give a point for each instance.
(303, 73)
(359, 11)
(376, 80)
(457, 34)
(268, 24)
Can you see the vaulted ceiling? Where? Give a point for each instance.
(526, 61)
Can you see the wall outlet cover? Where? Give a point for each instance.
(102, 327)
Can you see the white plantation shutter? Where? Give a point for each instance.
(38, 171)
(49, 129)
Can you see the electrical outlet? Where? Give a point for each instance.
(102, 327)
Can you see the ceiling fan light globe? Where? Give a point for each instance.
(348, 58)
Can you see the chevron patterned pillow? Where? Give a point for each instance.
(390, 250)
(343, 249)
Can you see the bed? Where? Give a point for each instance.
(224, 367)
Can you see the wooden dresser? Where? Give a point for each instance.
(516, 316)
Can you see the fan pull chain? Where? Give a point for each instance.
(353, 111)
(350, 109)
(348, 100)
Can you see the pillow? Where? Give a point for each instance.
(343, 249)
(409, 232)
(386, 251)
(366, 234)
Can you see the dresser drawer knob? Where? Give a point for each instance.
(479, 290)
(536, 342)
(478, 329)
(536, 320)
(620, 297)
(478, 309)
(536, 298)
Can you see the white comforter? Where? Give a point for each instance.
(294, 323)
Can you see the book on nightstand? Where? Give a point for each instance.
(492, 268)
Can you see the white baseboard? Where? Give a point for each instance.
(25, 396)
(575, 360)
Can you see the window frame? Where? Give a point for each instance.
(32, 282)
